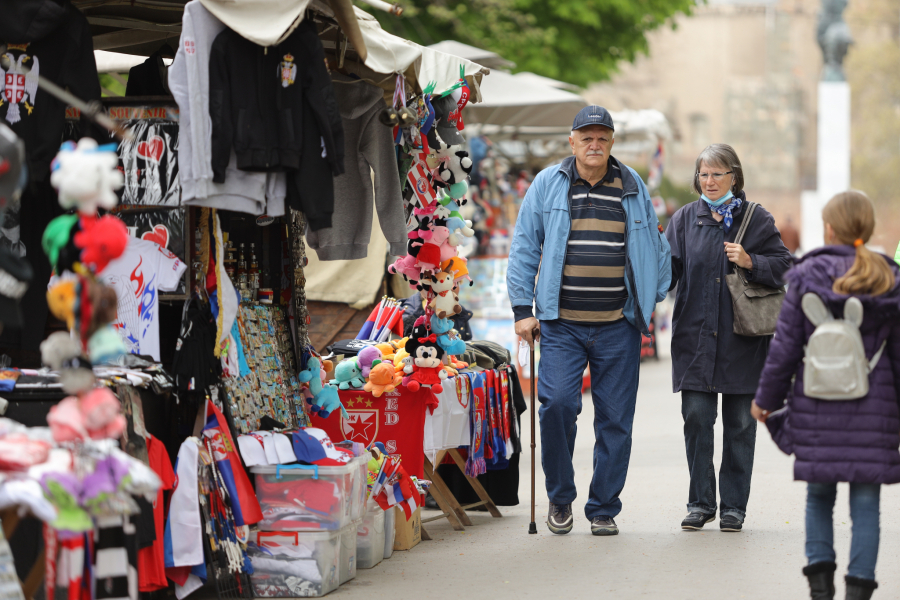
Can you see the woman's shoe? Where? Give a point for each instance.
(859, 589)
(821, 580)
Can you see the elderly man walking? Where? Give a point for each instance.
(589, 254)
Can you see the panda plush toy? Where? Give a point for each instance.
(426, 355)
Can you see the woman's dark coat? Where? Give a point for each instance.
(706, 354)
(848, 440)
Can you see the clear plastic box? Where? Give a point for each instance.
(390, 517)
(310, 498)
(370, 539)
(295, 564)
(348, 551)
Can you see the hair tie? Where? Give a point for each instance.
(858, 242)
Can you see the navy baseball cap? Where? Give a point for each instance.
(592, 115)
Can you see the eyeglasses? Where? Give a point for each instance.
(715, 176)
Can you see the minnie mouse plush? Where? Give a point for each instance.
(426, 356)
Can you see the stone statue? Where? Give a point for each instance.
(834, 38)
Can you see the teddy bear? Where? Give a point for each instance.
(408, 267)
(325, 398)
(444, 328)
(366, 358)
(382, 378)
(444, 302)
(348, 374)
(427, 368)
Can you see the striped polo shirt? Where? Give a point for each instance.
(593, 282)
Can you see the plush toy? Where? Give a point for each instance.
(443, 329)
(325, 398)
(366, 358)
(445, 301)
(347, 374)
(458, 266)
(86, 176)
(387, 351)
(382, 378)
(101, 241)
(61, 300)
(454, 221)
(61, 352)
(427, 369)
(105, 345)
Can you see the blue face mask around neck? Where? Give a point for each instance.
(720, 201)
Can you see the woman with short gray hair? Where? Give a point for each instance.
(708, 358)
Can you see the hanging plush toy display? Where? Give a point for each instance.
(436, 186)
(79, 246)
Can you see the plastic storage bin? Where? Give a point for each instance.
(390, 517)
(308, 497)
(348, 551)
(370, 539)
(295, 564)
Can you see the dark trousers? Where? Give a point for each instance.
(699, 410)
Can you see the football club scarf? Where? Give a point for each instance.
(499, 444)
(418, 179)
(244, 504)
(504, 404)
(475, 464)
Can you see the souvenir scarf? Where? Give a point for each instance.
(475, 464)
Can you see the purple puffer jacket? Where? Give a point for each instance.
(851, 440)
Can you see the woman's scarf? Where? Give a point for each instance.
(725, 210)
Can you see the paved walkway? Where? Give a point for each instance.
(652, 557)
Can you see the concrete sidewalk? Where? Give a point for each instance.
(652, 557)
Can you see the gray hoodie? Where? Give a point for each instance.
(254, 193)
(369, 149)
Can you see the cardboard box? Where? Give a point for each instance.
(407, 533)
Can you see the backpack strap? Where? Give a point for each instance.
(877, 356)
(751, 208)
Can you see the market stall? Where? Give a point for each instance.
(178, 356)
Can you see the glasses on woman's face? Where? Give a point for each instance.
(715, 176)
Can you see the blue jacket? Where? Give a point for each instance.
(542, 234)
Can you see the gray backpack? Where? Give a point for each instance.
(836, 367)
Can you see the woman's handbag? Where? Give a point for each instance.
(756, 306)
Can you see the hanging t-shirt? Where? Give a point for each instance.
(396, 419)
(143, 270)
(151, 560)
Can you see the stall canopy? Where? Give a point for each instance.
(486, 58)
(353, 37)
(513, 104)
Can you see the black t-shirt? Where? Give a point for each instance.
(65, 56)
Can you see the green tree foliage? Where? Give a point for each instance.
(578, 41)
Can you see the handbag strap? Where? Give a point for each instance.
(751, 208)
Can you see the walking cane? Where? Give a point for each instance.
(532, 527)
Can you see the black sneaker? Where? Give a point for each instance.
(559, 519)
(730, 523)
(604, 526)
(696, 520)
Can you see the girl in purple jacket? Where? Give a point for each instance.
(849, 440)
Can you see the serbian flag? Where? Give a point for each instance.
(244, 504)
(389, 317)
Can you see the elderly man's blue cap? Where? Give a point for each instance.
(593, 115)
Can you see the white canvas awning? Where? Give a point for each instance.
(511, 102)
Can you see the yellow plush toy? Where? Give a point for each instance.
(61, 300)
(382, 378)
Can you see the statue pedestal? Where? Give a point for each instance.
(833, 163)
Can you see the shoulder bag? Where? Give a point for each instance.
(756, 306)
